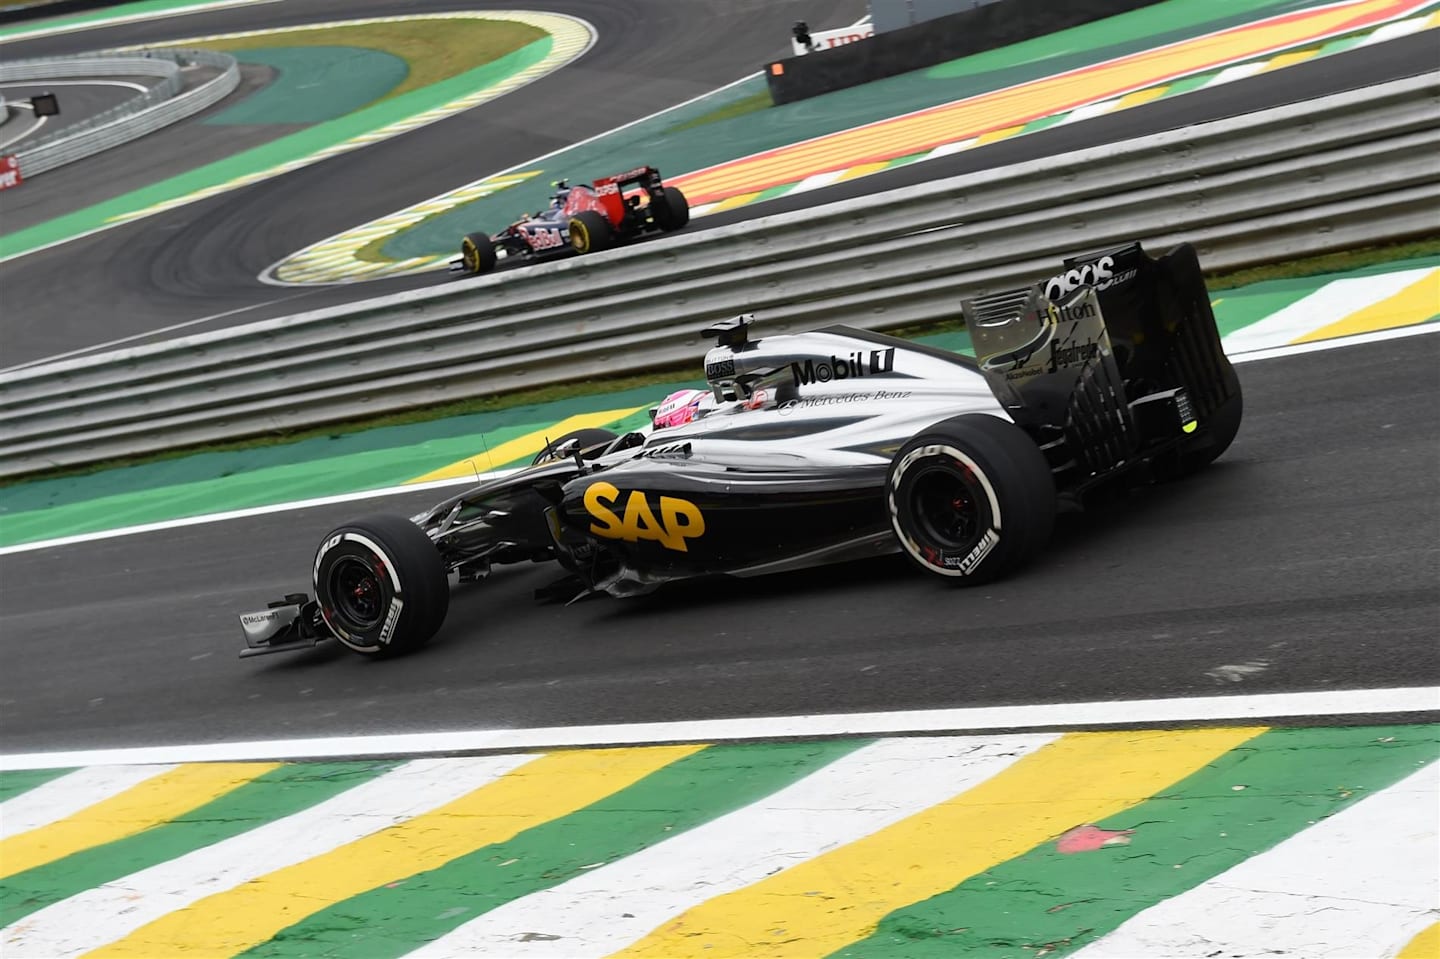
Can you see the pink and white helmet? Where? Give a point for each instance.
(679, 408)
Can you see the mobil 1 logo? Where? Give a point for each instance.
(854, 365)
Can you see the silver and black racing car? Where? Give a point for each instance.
(821, 447)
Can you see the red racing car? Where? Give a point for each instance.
(581, 219)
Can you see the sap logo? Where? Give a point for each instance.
(679, 519)
(843, 368)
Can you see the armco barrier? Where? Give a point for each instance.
(158, 107)
(1327, 174)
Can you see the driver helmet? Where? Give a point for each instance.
(681, 407)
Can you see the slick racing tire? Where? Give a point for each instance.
(590, 232)
(477, 252)
(381, 585)
(673, 212)
(584, 439)
(971, 498)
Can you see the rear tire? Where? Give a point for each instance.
(673, 212)
(584, 439)
(477, 252)
(971, 498)
(590, 232)
(381, 585)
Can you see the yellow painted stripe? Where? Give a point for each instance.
(1424, 946)
(554, 785)
(1417, 303)
(1290, 59)
(994, 135)
(143, 806)
(731, 202)
(863, 169)
(1142, 96)
(832, 900)
(522, 446)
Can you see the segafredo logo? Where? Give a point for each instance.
(1100, 274)
(850, 366)
(1070, 355)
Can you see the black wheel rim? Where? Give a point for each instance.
(949, 507)
(357, 593)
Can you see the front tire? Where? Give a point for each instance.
(477, 253)
(971, 498)
(590, 232)
(381, 585)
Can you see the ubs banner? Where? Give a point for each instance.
(10, 172)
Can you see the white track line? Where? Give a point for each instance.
(1360, 883)
(114, 910)
(1146, 712)
(606, 909)
(65, 796)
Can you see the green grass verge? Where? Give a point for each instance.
(1290, 269)
(435, 50)
(1329, 263)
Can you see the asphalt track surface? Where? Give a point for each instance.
(79, 100)
(200, 263)
(203, 259)
(1309, 553)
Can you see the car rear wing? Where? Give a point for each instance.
(1091, 350)
(611, 190)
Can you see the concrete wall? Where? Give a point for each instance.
(985, 27)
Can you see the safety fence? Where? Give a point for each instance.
(159, 106)
(1333, 173)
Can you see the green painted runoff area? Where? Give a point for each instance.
(1254, 796)
(274, 795)
(315, 84)
(23, 780)
(674, 145)
(387, 456)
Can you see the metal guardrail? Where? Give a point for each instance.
(158, 107)
(1327, 174)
